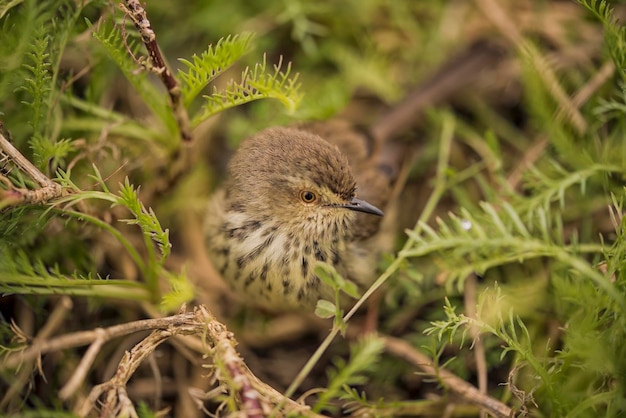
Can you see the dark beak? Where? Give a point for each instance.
(359, 205)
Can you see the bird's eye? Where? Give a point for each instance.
(307, 196)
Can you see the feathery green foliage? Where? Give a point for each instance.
(211, 63)
(21, 274)
(38, 84)
(33, 276)
(146, 219)
(363, 357)
(255, 84)
(39, 34)
(125, 52)
(614, 32)
(574, 276)
(473, 245)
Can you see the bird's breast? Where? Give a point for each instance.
(272, 264)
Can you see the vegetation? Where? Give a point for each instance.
(507, 290)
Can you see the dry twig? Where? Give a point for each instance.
(457, 73)
(254, 397)
(452, 382)
(54, 322)
(14, 195)
(138, 15)
(479, 347)
(494, 11)
(579, 99)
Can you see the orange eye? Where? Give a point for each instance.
(307, 196)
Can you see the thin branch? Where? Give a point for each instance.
(534, 152)
(452, 382)
(494, 11)
(138, 15)
(115, 388)
(479, 347)
(579, 99)
(49, 189)
(81, 338)
(255, 398)
(54, 322)
(79, 375)
(457, 73)
(225, 350)
(601, 76)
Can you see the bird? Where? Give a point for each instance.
(313, 193)
(295, 197)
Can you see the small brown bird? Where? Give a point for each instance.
(290, 201)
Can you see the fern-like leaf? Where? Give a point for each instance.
(491, 238)
(145, 219)
(38, 84)
(546, 189)
(181, 291)
(494, 316)
(255, 84)
(50, 153)
(614, 32)
(20, 273)
(362, 357)
(203, 69)
(119, 50)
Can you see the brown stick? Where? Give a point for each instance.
(77, 339)
(459, 72)
(454, 383)
(54, 322)
(49, 189)
(214, 338)
(579, 99)
(479, 347)
(138, 15)
(498, 16)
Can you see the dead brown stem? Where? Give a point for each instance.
(138, 15)
(494, 11)
(452, 382)
(255, 397)
(459, 72)
(49, 189)
(81, 338)
(579, 99)
(479, 347)
(115, 389)
(54, 322)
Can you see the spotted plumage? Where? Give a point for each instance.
(289, 202)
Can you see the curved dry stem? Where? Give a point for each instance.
(452, 382)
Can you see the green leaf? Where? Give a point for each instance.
(145, 218)
(325, 309)
(50, 153)
(364, 355)
(22, 273)
(7, 5)
(256, 84)
(203, 69)
(38, 83)
(327, 274)
(181, 291)
(614, 32)
(119, 51)
(350, 289)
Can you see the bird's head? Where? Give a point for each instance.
(296, 178)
